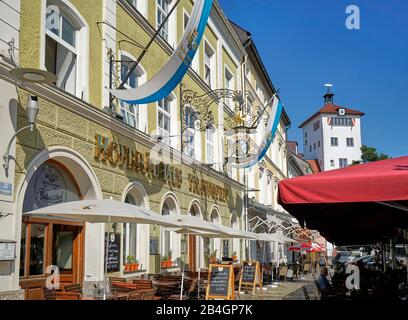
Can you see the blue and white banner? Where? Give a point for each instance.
(246, 147)
(164, 82)
(273, 122)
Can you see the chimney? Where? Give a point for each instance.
(293, 146)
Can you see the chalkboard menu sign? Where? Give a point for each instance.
(113, 264)
(220, 282)
(248, 273)
(251, 275)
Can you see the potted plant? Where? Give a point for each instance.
(128, 265)
(234, 256)
(213, 257)
(164, 262)
(169, 262)
(136, 262)
(131, 260)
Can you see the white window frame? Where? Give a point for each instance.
(212, 65)
(82, 41)
(166, 29)
(171, 24)
(341, 163)
(231, 81)
(350, 140)
(210, 132)
(337, 141)
(166, 114)
(189, 147)
(139, 74)
(262, 183)
(140, 5)
(171, 115)
(142, 120)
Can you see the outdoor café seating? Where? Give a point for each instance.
(73, 288)
(136, 295)
(143, 284)
(52, 294)
(283, 272)
(189, 294)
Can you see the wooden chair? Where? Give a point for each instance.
(68, 296)
(135, 295)
(143, 284)
(120, 289)
(283, 272)
(73, 288)
(123, 297)
(49, 294)
(117, 279)
(150, 294)
(189, 294)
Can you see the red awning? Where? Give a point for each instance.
(358, 203)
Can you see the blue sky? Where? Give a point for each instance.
(305, 44)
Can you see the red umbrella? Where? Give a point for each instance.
(301, 247)
(361, 203)
(316, 248)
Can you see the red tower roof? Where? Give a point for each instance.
(333, 109)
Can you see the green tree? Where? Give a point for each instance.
(370, 154)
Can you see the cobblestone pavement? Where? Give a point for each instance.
(290, 290)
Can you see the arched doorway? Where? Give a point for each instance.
(46, 242)
(54, 176)
(194, 243)
(135, 237)
(170, 241)
(236, 243)
(214, 244)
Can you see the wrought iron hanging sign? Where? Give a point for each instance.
(243, 151)
(164, 82)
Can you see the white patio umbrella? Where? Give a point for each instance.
(103, 211)
(198, 227)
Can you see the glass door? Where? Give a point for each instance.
(44, 244)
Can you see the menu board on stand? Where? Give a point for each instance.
(114, 251)
(221, 281)
(251, 275)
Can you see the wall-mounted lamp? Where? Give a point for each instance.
(32, 113)
(35, 76)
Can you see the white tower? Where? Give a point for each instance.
(332, 135)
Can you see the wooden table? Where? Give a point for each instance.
(161, 283)
(113, 296)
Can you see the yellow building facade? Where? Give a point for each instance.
(88, 145)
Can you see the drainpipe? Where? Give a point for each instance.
(243, 88)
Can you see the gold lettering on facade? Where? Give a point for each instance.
(113, 155)
(119, 154)
(206, 188)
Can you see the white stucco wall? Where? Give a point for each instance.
(326, 152)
